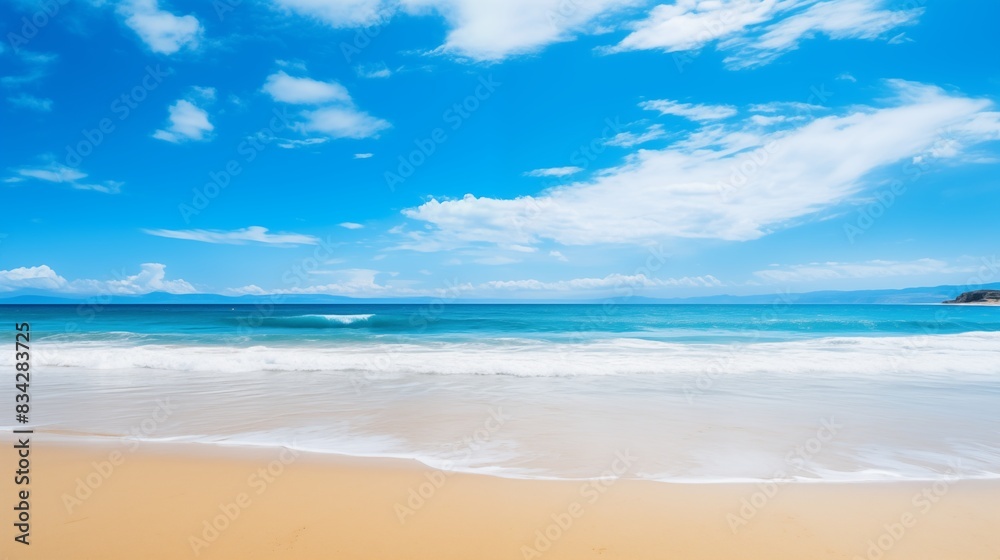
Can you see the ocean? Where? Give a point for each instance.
(695, 393)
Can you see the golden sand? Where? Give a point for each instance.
(108, 501)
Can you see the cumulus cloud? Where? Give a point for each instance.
(287, 89)
(485, 30)
(756, 32)
(150, 278)
(343, 122)
(187, 121)
(735, 181)
(162, 31)
(35, 277)
(252, 234)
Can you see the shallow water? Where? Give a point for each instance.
(694, 393)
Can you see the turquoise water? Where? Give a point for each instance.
(699, 393)
(334, 324)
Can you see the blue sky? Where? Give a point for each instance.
(502, 149)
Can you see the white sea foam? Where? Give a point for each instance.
(945, 355)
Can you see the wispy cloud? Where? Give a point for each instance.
(691, 111)
(373, 71)
(554, 171)
(609, 281)
(337, 115)
(252, 234)
(867, 269)
(291, 144)
(351, 225)
(735, 181)
(36, 66)
(28, 101)
(70, 176)
(628, 139)
(755, 33)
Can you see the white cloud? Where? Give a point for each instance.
(353, 281)
(847, 77)
(691, 24)
(558, 256)
(58, 173)
(363, 156)
(290, 144)
(691, 111)
(554, 171)
(338, 117)
(757, 32)
(35, 277)
(251, 290)
(287, 89)
(344, 122)
(373, 71)
(609, 281)
(868, 269)
(187, 122)
(162, 31)
(736, 181)
(351, 225)
(363, 282)
(28, 101)
(252, 234)
(840, 19)
(151, 278)
(36, 67)
(629, 139)
(485, 30)
(496, 29)
(342, 13)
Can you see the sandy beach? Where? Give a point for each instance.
(108, 499)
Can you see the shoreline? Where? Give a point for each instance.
(239, 449)
(161, 499)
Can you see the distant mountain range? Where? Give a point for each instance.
(936, 294)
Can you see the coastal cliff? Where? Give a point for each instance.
(978, 296)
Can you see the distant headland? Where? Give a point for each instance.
(988, 297)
